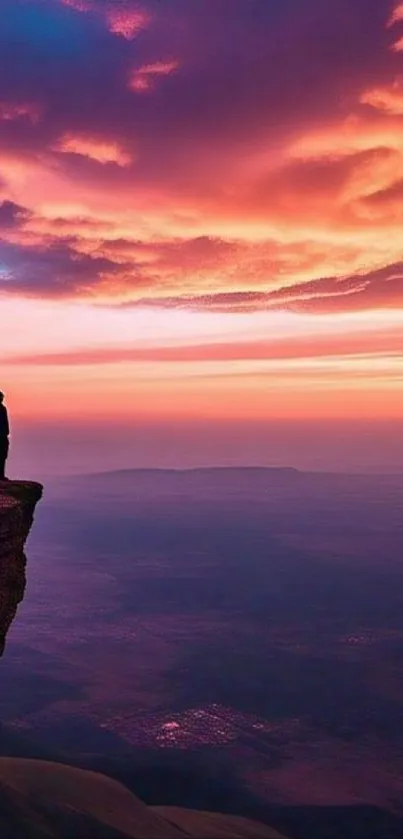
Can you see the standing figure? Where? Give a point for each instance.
(4, 432)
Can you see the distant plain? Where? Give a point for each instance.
(214, 637)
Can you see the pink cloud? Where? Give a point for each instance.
(388, 98)
(397, 15)
(143, 78)
(121, 17)
(102, 151)
(127, 22)
(398, 45)
(317, 346)
(10, 111)
(237, 188)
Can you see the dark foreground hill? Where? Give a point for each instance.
(40, 799)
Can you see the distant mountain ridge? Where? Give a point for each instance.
(203, 470)
(280, 472)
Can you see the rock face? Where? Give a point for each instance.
(39, 799)
(17, 506)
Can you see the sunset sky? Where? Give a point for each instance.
(201, 215)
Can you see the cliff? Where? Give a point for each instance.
(40, 799)
(17, 506)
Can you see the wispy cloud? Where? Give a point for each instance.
(100, 150)
(145, 77)
(10, 111)
(388, 98)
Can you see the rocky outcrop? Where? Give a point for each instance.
(39, 799)
(26, 495)
(18, 500)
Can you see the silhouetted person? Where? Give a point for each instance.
(4, 432)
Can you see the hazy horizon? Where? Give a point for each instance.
(45, 450)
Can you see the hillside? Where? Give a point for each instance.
(41, 799)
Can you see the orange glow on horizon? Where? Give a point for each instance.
(157, 364)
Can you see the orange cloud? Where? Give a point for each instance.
(366, 153)
(353, 133)
(388, 98)
(397, 15)
(144, 77)
(318, 206)
(102, 151)
(398, 45)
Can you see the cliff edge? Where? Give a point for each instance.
(40, 799)
(18, 500)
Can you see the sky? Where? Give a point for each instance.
(201, 227)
